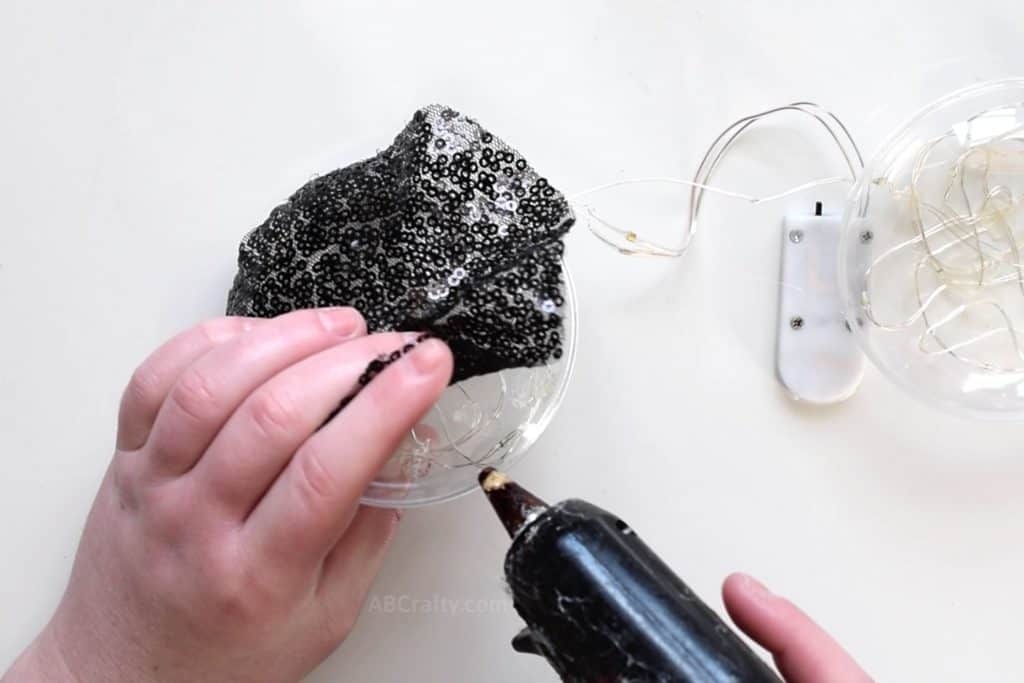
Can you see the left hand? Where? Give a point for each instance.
(226, 542)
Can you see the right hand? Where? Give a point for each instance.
(803, 651)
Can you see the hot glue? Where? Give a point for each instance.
(599, 605)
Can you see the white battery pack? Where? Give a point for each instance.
(817, 359)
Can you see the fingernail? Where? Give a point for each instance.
(428, 356)
(756, 589)
(340, 321)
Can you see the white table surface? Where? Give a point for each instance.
(140, 140)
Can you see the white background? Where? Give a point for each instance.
(140, 140)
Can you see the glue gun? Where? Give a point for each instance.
(599, 605)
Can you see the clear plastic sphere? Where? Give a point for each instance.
(930, 266)
(490, 420)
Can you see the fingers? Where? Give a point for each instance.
(307, 508)
(260, 438)
(213, 387)
(353, 564)
(152, 381)
(803, 652)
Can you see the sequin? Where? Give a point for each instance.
(437, 292)
(397, 235)
(506, 204)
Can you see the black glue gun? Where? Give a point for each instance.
(601, 606)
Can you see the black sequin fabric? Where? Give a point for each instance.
(448, 231)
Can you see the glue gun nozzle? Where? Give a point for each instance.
(491, 479)
(515, 506)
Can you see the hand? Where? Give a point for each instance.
(226, 542)
(803, 652)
